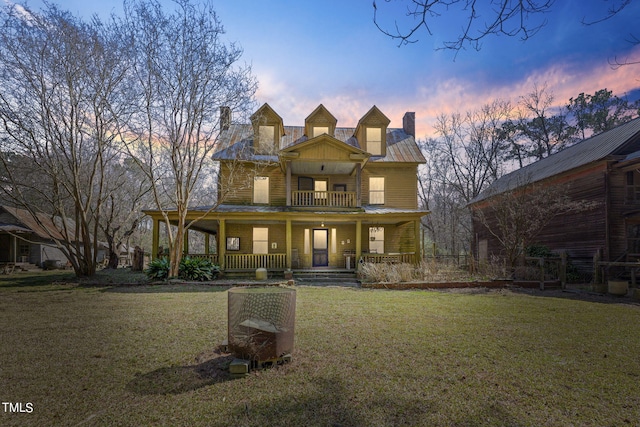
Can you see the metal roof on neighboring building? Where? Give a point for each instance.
(623, 140)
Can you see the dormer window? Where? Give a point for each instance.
(374, 140)
(267, 135)
(267, 130)
(320, 121)
(372, 132)
(319, 130)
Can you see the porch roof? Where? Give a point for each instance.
(367, 210)
(248, 214)
(12, 228)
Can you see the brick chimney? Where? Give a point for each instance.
(225, 118)
(409, 123)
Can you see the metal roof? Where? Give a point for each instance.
(237, 143)
(374, 210)
(622, 140)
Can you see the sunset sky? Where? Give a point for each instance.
(305, 53)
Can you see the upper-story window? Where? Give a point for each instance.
(319, 130)
(267, 135)
(374, 141)
(261, 189)
(633, 187)
(376, 190)
(320, 189)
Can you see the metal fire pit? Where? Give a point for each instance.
(261, 322)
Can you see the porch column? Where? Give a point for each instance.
(288, 244)
(358, 186)
(155, 238)
(358, 243)
(288, 182)
(418, 242)
(15, 249)
(206, 243)
(222, 243)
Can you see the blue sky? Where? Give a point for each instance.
(305, 53)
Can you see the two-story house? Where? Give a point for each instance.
(603, 170)
(315, 196)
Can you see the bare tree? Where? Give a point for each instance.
(60, 84)
(516, 217)
(184, 73)
(122, 210)
(464, 159)
(470, 148)
(522, 18)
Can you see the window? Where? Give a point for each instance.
(320, 189)
(233, 243)
(633, 189)
(260, 240)
(261, 189)
(376, 240)
(374, 141)
(266, 135)
(319, 130)
(376, 190)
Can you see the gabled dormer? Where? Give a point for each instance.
(268, 130)
(371, 132)
(320, 121)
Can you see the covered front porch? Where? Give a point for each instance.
(283, 239)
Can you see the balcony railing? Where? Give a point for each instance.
(338, 199)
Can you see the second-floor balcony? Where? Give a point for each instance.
(335, 199)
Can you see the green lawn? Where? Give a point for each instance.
(139, 356)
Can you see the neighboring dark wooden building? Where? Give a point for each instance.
(604, 169)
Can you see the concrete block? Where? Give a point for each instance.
(239, 366)
(261, 274)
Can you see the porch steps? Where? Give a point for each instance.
(326, 278)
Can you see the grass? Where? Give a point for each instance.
(138, 356)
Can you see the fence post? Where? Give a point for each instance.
(563, 270)
(541, 265)
(596, 268)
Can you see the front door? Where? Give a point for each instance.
(320, 248)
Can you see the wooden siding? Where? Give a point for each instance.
(325, 151)
(277, 235)
(579, 234)
(622, 213)
(401, 185)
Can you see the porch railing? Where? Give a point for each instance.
(339, 199)
(212, 257)
(279, 261)
(391, 258)
(248, 261)
(253, 261)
